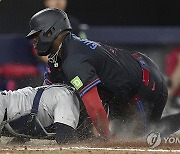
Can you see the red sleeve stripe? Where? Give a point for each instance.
(89, 86)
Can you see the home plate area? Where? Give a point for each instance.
(99, 147)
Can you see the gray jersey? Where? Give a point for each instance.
(57, 104)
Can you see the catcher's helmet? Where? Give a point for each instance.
(45, 22)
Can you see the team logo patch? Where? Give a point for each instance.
(76, 82)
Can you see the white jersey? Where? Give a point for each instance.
(57, 104)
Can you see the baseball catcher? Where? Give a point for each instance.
(43, 112)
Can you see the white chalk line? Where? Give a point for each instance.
(90, 148)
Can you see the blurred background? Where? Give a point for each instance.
(148, 26)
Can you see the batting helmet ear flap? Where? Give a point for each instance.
(46, 39)
(44, 44)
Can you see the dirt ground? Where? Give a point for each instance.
(95, 147)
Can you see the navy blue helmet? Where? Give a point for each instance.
(45, 22)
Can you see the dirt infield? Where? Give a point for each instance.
(113, 147)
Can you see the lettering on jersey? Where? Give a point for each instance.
(76, 82)
(91, 44)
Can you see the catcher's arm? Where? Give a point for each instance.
(66, 115)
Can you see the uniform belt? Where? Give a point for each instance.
(145, 77)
